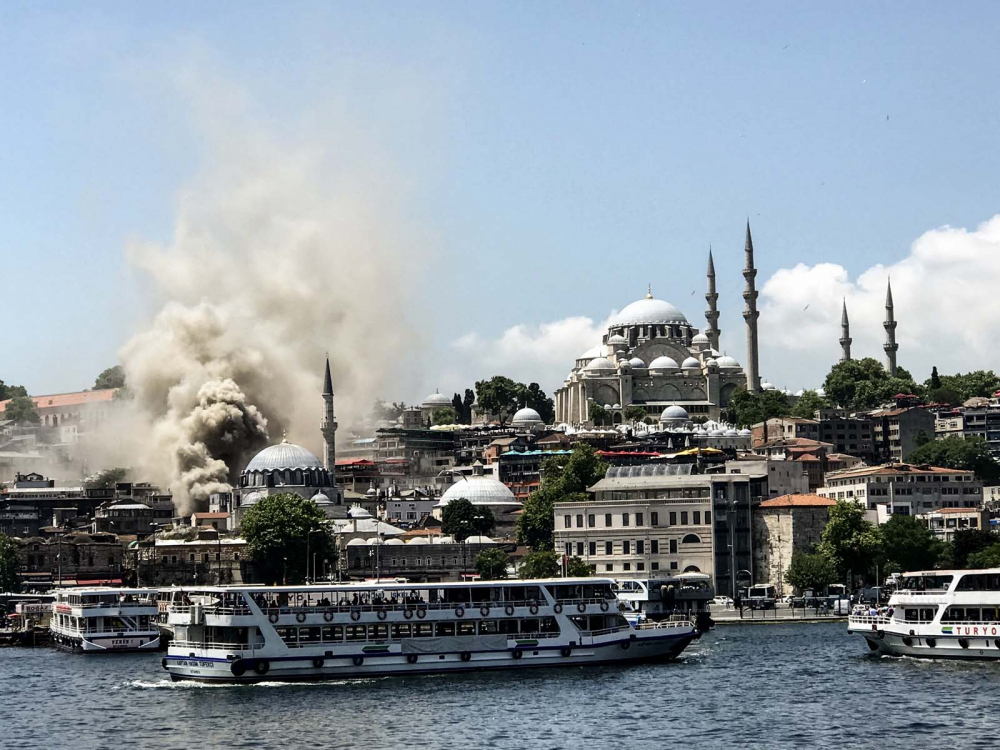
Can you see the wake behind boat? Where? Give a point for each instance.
(255, 633)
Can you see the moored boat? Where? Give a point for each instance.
(93, 620)
(936, 614)
(256, 633)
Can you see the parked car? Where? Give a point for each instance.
(722, 601)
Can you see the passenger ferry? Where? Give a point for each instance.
(256, 633)
(685, 595)
(105, 619)
(936, 614)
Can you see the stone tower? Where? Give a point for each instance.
(750, 315)
(712, 297)
(845, 335)
(329, 424)
(890, 346)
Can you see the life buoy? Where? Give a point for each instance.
(273, 617)
(932, 642)
(460, 611)
(907, 641)
(626, 645)
(355, 614)
(557, 608)
(411, 658)
(565, 651)
(604, 606)
(358, 661)
(533, 609)
(318, 662)
(300, 617)
(581, 607)
(996, 642)
(484, 611)
(238, 668)
(421, 614)
(262, 667)
(466, 656)
(963, 642)
(408, 614)
(382, 614)
(509, 609)
(516, 653)
(328, 615)
(163, 662)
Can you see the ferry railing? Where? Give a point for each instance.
(220, 645)
(869, 620)
(494, 607)
(384, 641)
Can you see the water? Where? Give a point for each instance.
(774, 686)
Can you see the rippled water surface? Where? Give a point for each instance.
(769, 686)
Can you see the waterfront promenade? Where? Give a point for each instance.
(782, 613)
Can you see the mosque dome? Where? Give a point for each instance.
(664, 363)
(597, 351)
(726, 362)
(436, 400)
(442, 540)
(251, 498)
(284, 455)
(700, 338)
(767, 386)
(599, 363)
(479, 540)
(690, 363)
(731, 433)
(356, 511)
(674, 414)
(636, 362)
(320, 499)
(394, 542)
(357, 543)
(712, 363)
(617, 340)
(526, 417)
(745, 432)
(647, 311)
(479, 490)
(417, 540)
(624, 365)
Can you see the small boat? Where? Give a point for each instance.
(91, 620)
(936, 614)
(316, 632)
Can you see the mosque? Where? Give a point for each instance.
(653, 358)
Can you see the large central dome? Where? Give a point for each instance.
(648, 311)
(284, 456)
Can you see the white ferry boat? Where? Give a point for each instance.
(105, 619)
(936, 614)
(684, 595)
(255, 633)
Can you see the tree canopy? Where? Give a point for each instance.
(810, 570)
(598, 414)
(967, 542)
(983, 383)
(491, 564)
(21, 410)
(277, 532)
(988, 557)
(850, 541)
(461, 519)
(908, 545)
(577, 568)
(635, 413)
(10, 391)
(540, 564)
(747, 408)
(444, 415)
(382, 410)
(112, 377)
(864, 384)
(105, 478)
(968, 454)
(502, 397)
(10, 564)
(808, 404)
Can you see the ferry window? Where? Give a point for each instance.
(357, 632)
(529, 626)
(673, 518)
(609, 549)
(533, 592)
(654, 546)
(607, 520)
(548, 625)
(508, 626)
(926, 615)
(488, 627)
(991, 614)
(466, 628)
(333, 633)
(309, 635)
(445, 628)
(288, 635)
(423, 630)
(654, 518)
(911, 615)
(401, 630)
(378, 632)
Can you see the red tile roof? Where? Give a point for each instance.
(798, 501)
(57, 400)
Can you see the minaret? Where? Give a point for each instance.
(890, 346)
(329, 424)
(712, 297)
(750, 315)
(845, 335)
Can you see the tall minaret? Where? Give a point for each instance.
(329, 424)
(712, 297)
(845, 335)
(750, 315)
(890, 346)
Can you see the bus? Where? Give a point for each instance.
(760, 596)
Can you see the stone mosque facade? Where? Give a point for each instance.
(652, 357)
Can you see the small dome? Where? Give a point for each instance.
(726, 362)
(394, 542)
(284, 455)
(712, 363)
(648, 310)
(767, 386)
(251, 499)
(799, 392)
(443, 540)
(716, 433)
(636, 362)
(598, 364)
(674, 414)
(616, 406)
(745, 432)
(690, 364)
(700, 338)
(732, 433)
(417, 540)
(526, 417)
(597, 351)
(479, 490)
(617, 340)
(320, 499)
(436, 400)
(821, 392)
(356, 511)
(357, 543)
(373, 540)
(664, 363)
(479, 540)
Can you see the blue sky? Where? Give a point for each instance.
(557, 157)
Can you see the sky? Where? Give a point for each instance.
(530, 166)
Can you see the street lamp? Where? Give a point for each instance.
(308, 540)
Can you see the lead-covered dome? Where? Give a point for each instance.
(436, 399)
(599, 363)
(284, 455)
(526, 417)
(479, 490)
(648, 311)
(674, 414)
(690, 364)
(726, 362)
(664, 363)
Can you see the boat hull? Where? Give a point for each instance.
(105, 644)
(345, 666)
(943, 646)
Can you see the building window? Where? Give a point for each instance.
(579, 549)
(654, 566)
(569, 548)
(640, 566)
(673, 566)
(591, 520)
(592, 546)
(626, 548)
(696, 517)
(626, 566)
(640, 547)
(579, 520)
(654, 518)
(609, 548)
(708, 518)
(638, 519)
(684, 518)
(624, 519)
(673, 518)
(609, 567)
(691, 539)
(673, 546)
(607, 520)
(567, 522)
(654, 546)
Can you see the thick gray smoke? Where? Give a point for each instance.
(278, 256)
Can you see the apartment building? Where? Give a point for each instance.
(904, 488)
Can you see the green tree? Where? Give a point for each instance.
(491, 564)
(635, 413)
(461, 519)
(534, 397)
(384, 411)
(105, 478)
(577, 568)
(444, 415)
(277, 533)
(456, 404)
(598, 414)
(850, 541)
(10, 391)
(10, 564)
(968, 454)
(747, 409)
(499, 396)
(908, 545)
(541, 564)
(967, 542)
(810, 570)
(808, 404)
(113, 377)
(922, 438)
(467, 402)
(944, 396)
(981, 383)
(21, 410)
(935, 382)
(864, 384)
(988, 557)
